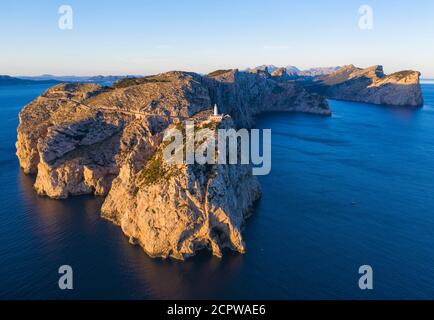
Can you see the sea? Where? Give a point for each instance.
(354, 189)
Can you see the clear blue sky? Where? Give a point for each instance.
(144, 37)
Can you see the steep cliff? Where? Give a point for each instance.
(370, 85)
(81, 139)
(175, 210)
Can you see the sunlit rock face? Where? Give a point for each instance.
(91, 139)
(370, 85)
(175, 210)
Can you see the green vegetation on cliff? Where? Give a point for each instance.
(128, 82)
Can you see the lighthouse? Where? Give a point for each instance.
(216, 116)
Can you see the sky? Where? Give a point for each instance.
(146, 37)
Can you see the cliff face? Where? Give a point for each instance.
(370, 85)
(75, 137)
(175, 210)
(245, 95)
(81, 139)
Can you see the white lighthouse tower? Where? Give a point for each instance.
(216, 116)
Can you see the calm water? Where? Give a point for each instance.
(344, 191)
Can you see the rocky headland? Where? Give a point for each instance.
(369, 85)
(350, 83)
(108, 140)
(92, 139)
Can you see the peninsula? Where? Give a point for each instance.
(107, 140)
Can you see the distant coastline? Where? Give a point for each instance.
(49, 78)
(6, 80)
(426, 81)
(10, 81)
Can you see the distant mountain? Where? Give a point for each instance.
(283, 74)
(293, 71)
(10, 81)
(315, 72)
(108, 78)
(270, 68)
(98, 78)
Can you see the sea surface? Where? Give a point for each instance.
(350, 190)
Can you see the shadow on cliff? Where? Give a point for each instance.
(99, 145)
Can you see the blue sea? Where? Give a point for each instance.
(350, 190)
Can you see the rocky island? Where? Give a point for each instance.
(107, 141)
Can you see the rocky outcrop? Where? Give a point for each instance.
(281, 74)
(175, 210)
(370, 85)
(81, 139)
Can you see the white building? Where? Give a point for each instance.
(216, 116)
